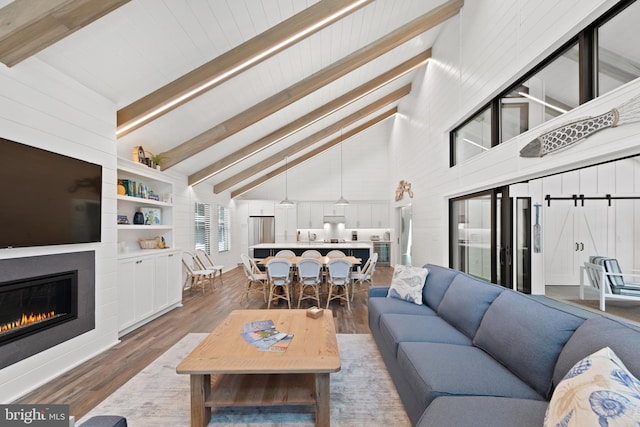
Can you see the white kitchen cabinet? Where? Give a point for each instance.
(304, 214)
(286, 224)
(380, 215)
(358, 215)
(331, 209)
(148, 286)
(261, 208)
(310, 215)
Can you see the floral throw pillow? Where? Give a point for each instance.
(597, 391)
(407, 283)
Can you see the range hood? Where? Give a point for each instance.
(333, 219)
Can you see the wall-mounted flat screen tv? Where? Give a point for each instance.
(47, 198)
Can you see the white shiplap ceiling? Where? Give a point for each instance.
(146, 44)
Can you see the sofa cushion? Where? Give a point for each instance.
(397, 328)
(466, 301)
(435, 369)
(597, 333)
(483, 411)
(436, 284)
(407, 283)
(598, 390)
(526, 337)
(379, 306)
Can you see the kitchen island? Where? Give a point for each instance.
(360, 250)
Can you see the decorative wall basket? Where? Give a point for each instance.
(403, 187)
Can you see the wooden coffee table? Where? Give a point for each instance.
(227, 371)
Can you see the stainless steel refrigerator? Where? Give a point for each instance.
(262, 229)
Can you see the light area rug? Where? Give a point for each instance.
(362, 393)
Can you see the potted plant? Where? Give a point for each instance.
(157, 159)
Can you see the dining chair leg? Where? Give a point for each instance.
(270, 296)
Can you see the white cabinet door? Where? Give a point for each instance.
(286, 224)
(174, 277)
(571, 235)
(161, 289)
(351, 216)
(143, 287)
(331, 209)
(364, 215)
(316, 215)
(261, 208)
(380, 215)
(304, 214)
(126, 302)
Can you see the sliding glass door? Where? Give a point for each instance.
(480, 235)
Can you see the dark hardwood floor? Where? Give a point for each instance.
(85, 386)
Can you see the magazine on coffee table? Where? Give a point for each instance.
(263, 335)
(259, 325)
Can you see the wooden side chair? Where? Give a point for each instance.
(196, 277)
(279, 276)
(364, 275)
(205, 261)
(309, 279)
(256, 280)
(338, 280)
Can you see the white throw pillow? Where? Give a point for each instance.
(598, 391)
(407, 283)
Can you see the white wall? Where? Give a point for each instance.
(478, 54)
(365, 172)
(42, 108)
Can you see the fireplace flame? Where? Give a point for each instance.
(26, 319)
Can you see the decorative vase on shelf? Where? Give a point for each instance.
(138, 218)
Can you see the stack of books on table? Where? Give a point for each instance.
(263, 335)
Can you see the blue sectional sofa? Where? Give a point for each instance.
(477, 354)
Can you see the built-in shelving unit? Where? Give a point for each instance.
(150, 280)
(150, 183)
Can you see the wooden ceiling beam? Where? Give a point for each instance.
(312, 153)
(29, 26)
(312, 139)
(233, 62)
(310, 118)
(310, 84)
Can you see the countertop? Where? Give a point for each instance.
(313, 245)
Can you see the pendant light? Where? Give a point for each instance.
(286, 201)
(341, 201)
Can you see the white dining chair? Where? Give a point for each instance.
(285, 253)
(311, 253)
(336, 254)
(279, 276)
(309, 279)
(338, 280)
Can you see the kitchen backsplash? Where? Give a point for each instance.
(337, 231)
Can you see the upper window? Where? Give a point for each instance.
(619, 49)
(604, 56)
(472, 138)
(223, 229)
(551, 91)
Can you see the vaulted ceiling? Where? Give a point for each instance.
(226, 89)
